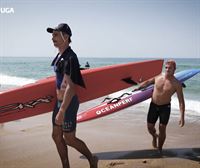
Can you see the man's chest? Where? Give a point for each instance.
(165, 86)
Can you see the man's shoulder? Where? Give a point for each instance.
(177, 82)
(72, 53)
(69, 54)
(160, 76)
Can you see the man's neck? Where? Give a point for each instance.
(169, 77)
(62, 49)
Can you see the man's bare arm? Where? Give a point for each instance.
(181, 100)
(145, 84)
(68, 94)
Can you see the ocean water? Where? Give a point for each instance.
(18, 71)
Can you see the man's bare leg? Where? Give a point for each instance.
(152, 131)
(57, 136)
(79, 145)
(162, 136)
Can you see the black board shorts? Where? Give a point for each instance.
(69, 123)
(159, 111)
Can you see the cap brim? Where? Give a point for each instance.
(50, 30)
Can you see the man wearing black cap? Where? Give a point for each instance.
(66, 67)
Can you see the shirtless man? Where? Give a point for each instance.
(165, 86)
(66, 67)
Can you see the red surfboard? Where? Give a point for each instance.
(39, 97)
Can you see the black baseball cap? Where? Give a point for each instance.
(63, 27)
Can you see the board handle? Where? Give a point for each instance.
(129, 81)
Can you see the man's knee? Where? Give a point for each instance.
(57, 136)
(151, 128)
(70, 139)
(162, 127)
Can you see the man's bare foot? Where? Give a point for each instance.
(94, 162)
(154, 141)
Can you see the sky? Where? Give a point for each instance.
(102, 28)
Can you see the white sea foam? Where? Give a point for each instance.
(192, 107)
(14, 80)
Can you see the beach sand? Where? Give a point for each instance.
(119, 140)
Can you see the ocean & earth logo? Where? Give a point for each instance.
(7, 10)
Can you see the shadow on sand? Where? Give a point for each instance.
(186, 153)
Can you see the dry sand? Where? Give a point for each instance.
(119, 140)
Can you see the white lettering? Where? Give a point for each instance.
(7, 10)
(123, 102)
(107, 108)
(98, 112)
(116, 105)
(113, 106)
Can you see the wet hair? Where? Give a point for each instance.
(171, 62)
